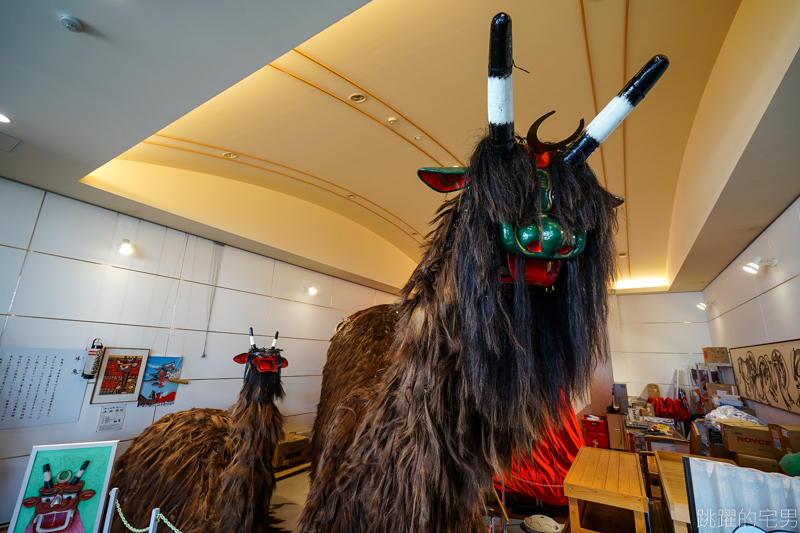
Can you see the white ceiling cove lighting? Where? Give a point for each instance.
(640, 283)
(125, 248)
(757, 263)
(706, 303)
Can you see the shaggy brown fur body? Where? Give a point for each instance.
(424, 401)
(208, 470)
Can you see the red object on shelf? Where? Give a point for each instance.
(596, 431)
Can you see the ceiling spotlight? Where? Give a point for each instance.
(392, 120)
(706, 303)
(125, 248)
(310, 289)
(418, 137)
(230, 155)
(757, 263)
(357, 97)
(4, 119)
(623, 254)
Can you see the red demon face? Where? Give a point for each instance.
(55, 508)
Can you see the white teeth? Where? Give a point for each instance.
(609, 118)
(500, 100)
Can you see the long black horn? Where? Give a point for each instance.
(500, 90)
(615, 112)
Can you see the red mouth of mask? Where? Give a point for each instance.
(264, 363)
(540, 272)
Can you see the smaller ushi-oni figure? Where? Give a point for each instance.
(56, 507)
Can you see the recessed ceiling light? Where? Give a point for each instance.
(623, 254)
(418, 137)
(4, 119)
(357, 97)
(230, 155)
(392, 120)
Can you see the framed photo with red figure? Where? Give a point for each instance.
(64, 488)
(121, 375)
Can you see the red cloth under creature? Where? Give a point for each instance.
(542, 477)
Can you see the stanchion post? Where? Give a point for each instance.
(154, 520)
(112, 503)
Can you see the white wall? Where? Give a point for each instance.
(765, 307)
(69, 284)
(652, 335)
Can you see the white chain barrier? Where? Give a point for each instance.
(155, 517)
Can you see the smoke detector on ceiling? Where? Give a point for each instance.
(72, 24)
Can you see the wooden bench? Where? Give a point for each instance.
(605, 477)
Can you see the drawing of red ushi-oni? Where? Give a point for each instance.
(118, 376)
(56, 507)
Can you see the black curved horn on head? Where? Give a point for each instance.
(615, 112)
(500, 94)
(540, 147)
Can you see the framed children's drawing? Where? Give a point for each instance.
(64, 488)
(120, 376)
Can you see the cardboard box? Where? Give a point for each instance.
(719, 451)
(785, 439)
(715, 388)
(654, 390)
(291, 450)
(718, 354)
(765, 464)
(748, 438)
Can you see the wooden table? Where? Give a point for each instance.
(607, 477)
(673, 486)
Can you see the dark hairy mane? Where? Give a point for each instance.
(422, 402)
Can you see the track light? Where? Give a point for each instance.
(126, 248)
(754, 266)
(706, 303)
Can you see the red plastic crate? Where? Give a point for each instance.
(595, 426)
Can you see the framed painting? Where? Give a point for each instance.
(121, 375)
(64, 488)
(769, 373)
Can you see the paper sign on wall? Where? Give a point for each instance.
(111, 418)
(40, 386)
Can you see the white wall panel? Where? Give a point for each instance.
(19, 208)
(12, 472)
(385, 298)
(197, 260)
(302, 395)
(731, 288)
(74, 229)
(779, 240)
(657, 368)
(237, 312)
(246, 271)
(23, 332)
(290, 280)
(298, 320)
(10, 265)
(306, 357)
(54, 287)
(351, 297)
(678, 307)
(666, 338)
(741, 326)
(299, 422)
(619, 362)
(781, 311)
(191, 309)
(220, 351)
